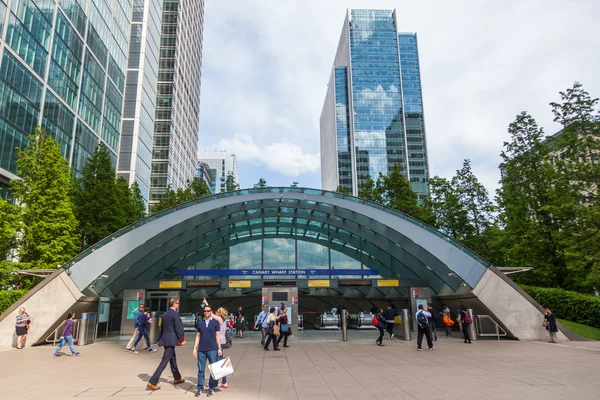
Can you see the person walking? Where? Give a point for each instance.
(389, 315)
(422, 317)
(67, 337)
(136, 331)
(381, 326)
(171, 335)
(551, 326)
(262, 317)
(207, 348)
(285, 328)
(21, 327)
(434, 315)
(239, 323)
(272, 330)
(221, 317)
(143, 321)
(447, 320)
(465, 322)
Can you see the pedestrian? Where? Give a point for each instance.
(550, 324)
(262, 316)
(225, 339)
(434, 315)
(207, 348)
(230, 325)
(447, 320)
(67, 337)
(273, 329)
(466, 321)
(381, 326)
(285, 328)
(422, 317)
(22, 327)
(281, 308)
(143, 321)
(239, 323)
(171, 335)
(389, 315)
(136, 331)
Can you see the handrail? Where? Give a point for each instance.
(55, 334)
(497, 327)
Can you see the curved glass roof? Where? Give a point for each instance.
(218, 231)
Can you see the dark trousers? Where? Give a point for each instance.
(274, 339)
(390, 328)
(380, 338)
(448, 331)
(145, 335)
(466, 332)
(424, 331)
(168, 357)
(283, 336)
(432, 329)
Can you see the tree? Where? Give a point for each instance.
(450, 214)
(261, 183)
(48, 233)
(370, 190)
(294, 185)
(10, 219)
(194, 189)
(131, 205)
(231, 184)
(342, 189)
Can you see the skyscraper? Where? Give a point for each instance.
(219, 165)
(372, 117)
(178, 97)
(63, 67)
(135, 154)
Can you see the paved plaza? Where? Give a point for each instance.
(317, 365)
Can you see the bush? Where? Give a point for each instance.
(573, 306)
(8, 297)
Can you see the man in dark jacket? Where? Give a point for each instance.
(171, 335)
(551, 326)
(432, 320)
(389, 315)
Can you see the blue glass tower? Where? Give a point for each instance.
(373, 118)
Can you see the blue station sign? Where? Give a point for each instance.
(276, 272)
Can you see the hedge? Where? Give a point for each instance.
(8, 297)
(572, 306)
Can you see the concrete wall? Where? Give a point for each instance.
(47, 303)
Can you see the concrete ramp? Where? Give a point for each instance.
(47, 304)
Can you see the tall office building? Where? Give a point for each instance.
(178, 97)
(219, 165)
(135, 154)
(372, 117)
(63, 65)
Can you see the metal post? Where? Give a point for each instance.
(472, 327)
(344, 324)
(406, 325)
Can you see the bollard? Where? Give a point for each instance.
(472, 327)
(344, 324)
(406, 325)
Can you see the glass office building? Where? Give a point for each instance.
(176, 124)
(372, 117)
(63, 66)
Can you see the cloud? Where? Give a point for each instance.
(283, 157)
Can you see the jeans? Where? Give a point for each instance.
(424, 331)
(381, 332)
(219, 358)
(211, 356)
(66, 339)
(169, 357)
(263, 330)
(145, 335)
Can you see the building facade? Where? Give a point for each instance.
(63, 66)
(176, 124)
(135, 153)
(220, 165)
(372, 117)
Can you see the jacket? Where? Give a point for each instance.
(389, 314)
(552, 327)
(171, 329)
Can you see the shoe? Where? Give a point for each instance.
(223, 386)
(431, 349)
(466, 341)
(178, 381)
(151, 350)
(435, 339)
(392, 336)
(285, 345)
(210, 392)
(469, 342)
(152, 387)
(276, 349)
(56, 355)
(76, 354)
(419, 349)
(198, 393)
(133, 351)
(266, 349)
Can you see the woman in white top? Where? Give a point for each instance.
(221, 316)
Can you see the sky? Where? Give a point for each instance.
(266, 66)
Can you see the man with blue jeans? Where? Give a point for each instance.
(206, 348)
(262, 317)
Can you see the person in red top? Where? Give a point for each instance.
(67, 336)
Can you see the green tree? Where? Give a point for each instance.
(10, 219)
(398, 193)
(370, 190)
(450, 214)
(294, 185)
(231, 184)
(195, 188)
(131, 205)
(48, 233)
(261, 183)
(342, 189)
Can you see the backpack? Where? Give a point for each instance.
(468, 319)
(422, 319)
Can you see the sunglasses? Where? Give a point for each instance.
(207, 310)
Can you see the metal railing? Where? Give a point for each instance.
(53, 337)
(484, 322)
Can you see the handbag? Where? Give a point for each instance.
(228, 342)
(545, 323)
(285, 328)
(276, 330)
(221, 368)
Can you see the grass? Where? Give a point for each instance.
(583, 330)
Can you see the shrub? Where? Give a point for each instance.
(572, 306)
(8, 297)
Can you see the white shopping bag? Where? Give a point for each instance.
(221, 368)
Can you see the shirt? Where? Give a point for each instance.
(208, 334)
(68, 330)
(136, 322)
(22, 320)
(426, 313)
(262, 317)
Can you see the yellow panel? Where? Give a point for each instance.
(170, 285)
(318, 283)
(239, 284)
(387, 282)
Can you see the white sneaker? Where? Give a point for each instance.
(391, 337)
(419, 349)
(431, 349)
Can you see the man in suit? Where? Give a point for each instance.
(171, 335)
